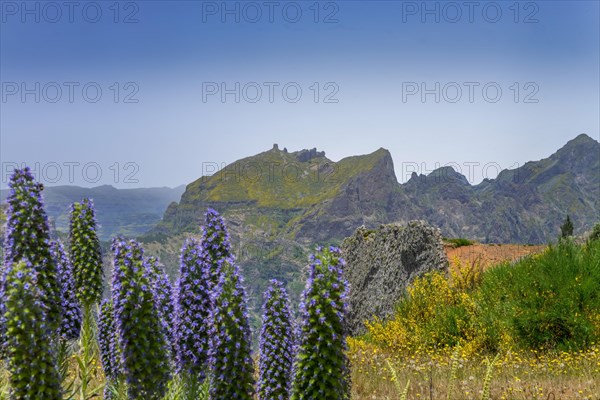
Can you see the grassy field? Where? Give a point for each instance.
(378, 374)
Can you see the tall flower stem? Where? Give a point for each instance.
(276, 344)
(321, 368)
(88, 353)
(231, 365)
(27, 237)
(142, 337)
(31, 358)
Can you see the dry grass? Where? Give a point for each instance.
(381, 376)
(488, 255)
(515, 376)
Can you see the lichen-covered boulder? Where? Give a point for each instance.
(382, 262)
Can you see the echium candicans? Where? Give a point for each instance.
(144, 347)
(86, 255)
(276, 345)
(192, 311)
(163, 293)
(215, 244)
(31, 357)
(70, 325)
(110, 355)
(231, 365)
(321, 365)
(27, 237)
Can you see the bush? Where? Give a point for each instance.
(566, 229)
(433, 313)
(595, 235)
(459, 242)
(549, 300)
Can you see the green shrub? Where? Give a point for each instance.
(566, 229)
(459, 242)
(595, 235)
(546, 300)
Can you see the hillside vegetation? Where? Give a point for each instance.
(541, 316)
(279, 204)
(522, 329)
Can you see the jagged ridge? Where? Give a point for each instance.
(276, 220)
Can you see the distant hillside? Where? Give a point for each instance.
(523, 205)
(130, 212)
(278, 204)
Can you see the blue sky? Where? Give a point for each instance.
(362, 68)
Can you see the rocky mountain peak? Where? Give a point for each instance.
(440, 176)
(580, 149)
(307, 155)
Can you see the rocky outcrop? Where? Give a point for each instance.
(307, 155)
(382, 262)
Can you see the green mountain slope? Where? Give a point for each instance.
(279, 204)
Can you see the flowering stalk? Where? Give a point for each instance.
(88, 354)
(86, 259)
(215, 245)
(144, 348)
(321, 368)
(230, 348)
(192, 316)
(70, 325)
(276, 345)
(199, 276)
(31, 358)
(163, 292)
(108, 346)
(85, 253)
(27, 237)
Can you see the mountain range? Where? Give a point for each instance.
(305, 197)
(279, 204)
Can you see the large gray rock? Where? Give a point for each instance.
(380, 264)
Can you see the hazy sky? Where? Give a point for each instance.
(148, 93)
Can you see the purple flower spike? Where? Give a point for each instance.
(70, 325)
(230, 347)
(322, 344)
(276, 345)
(144, 347)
